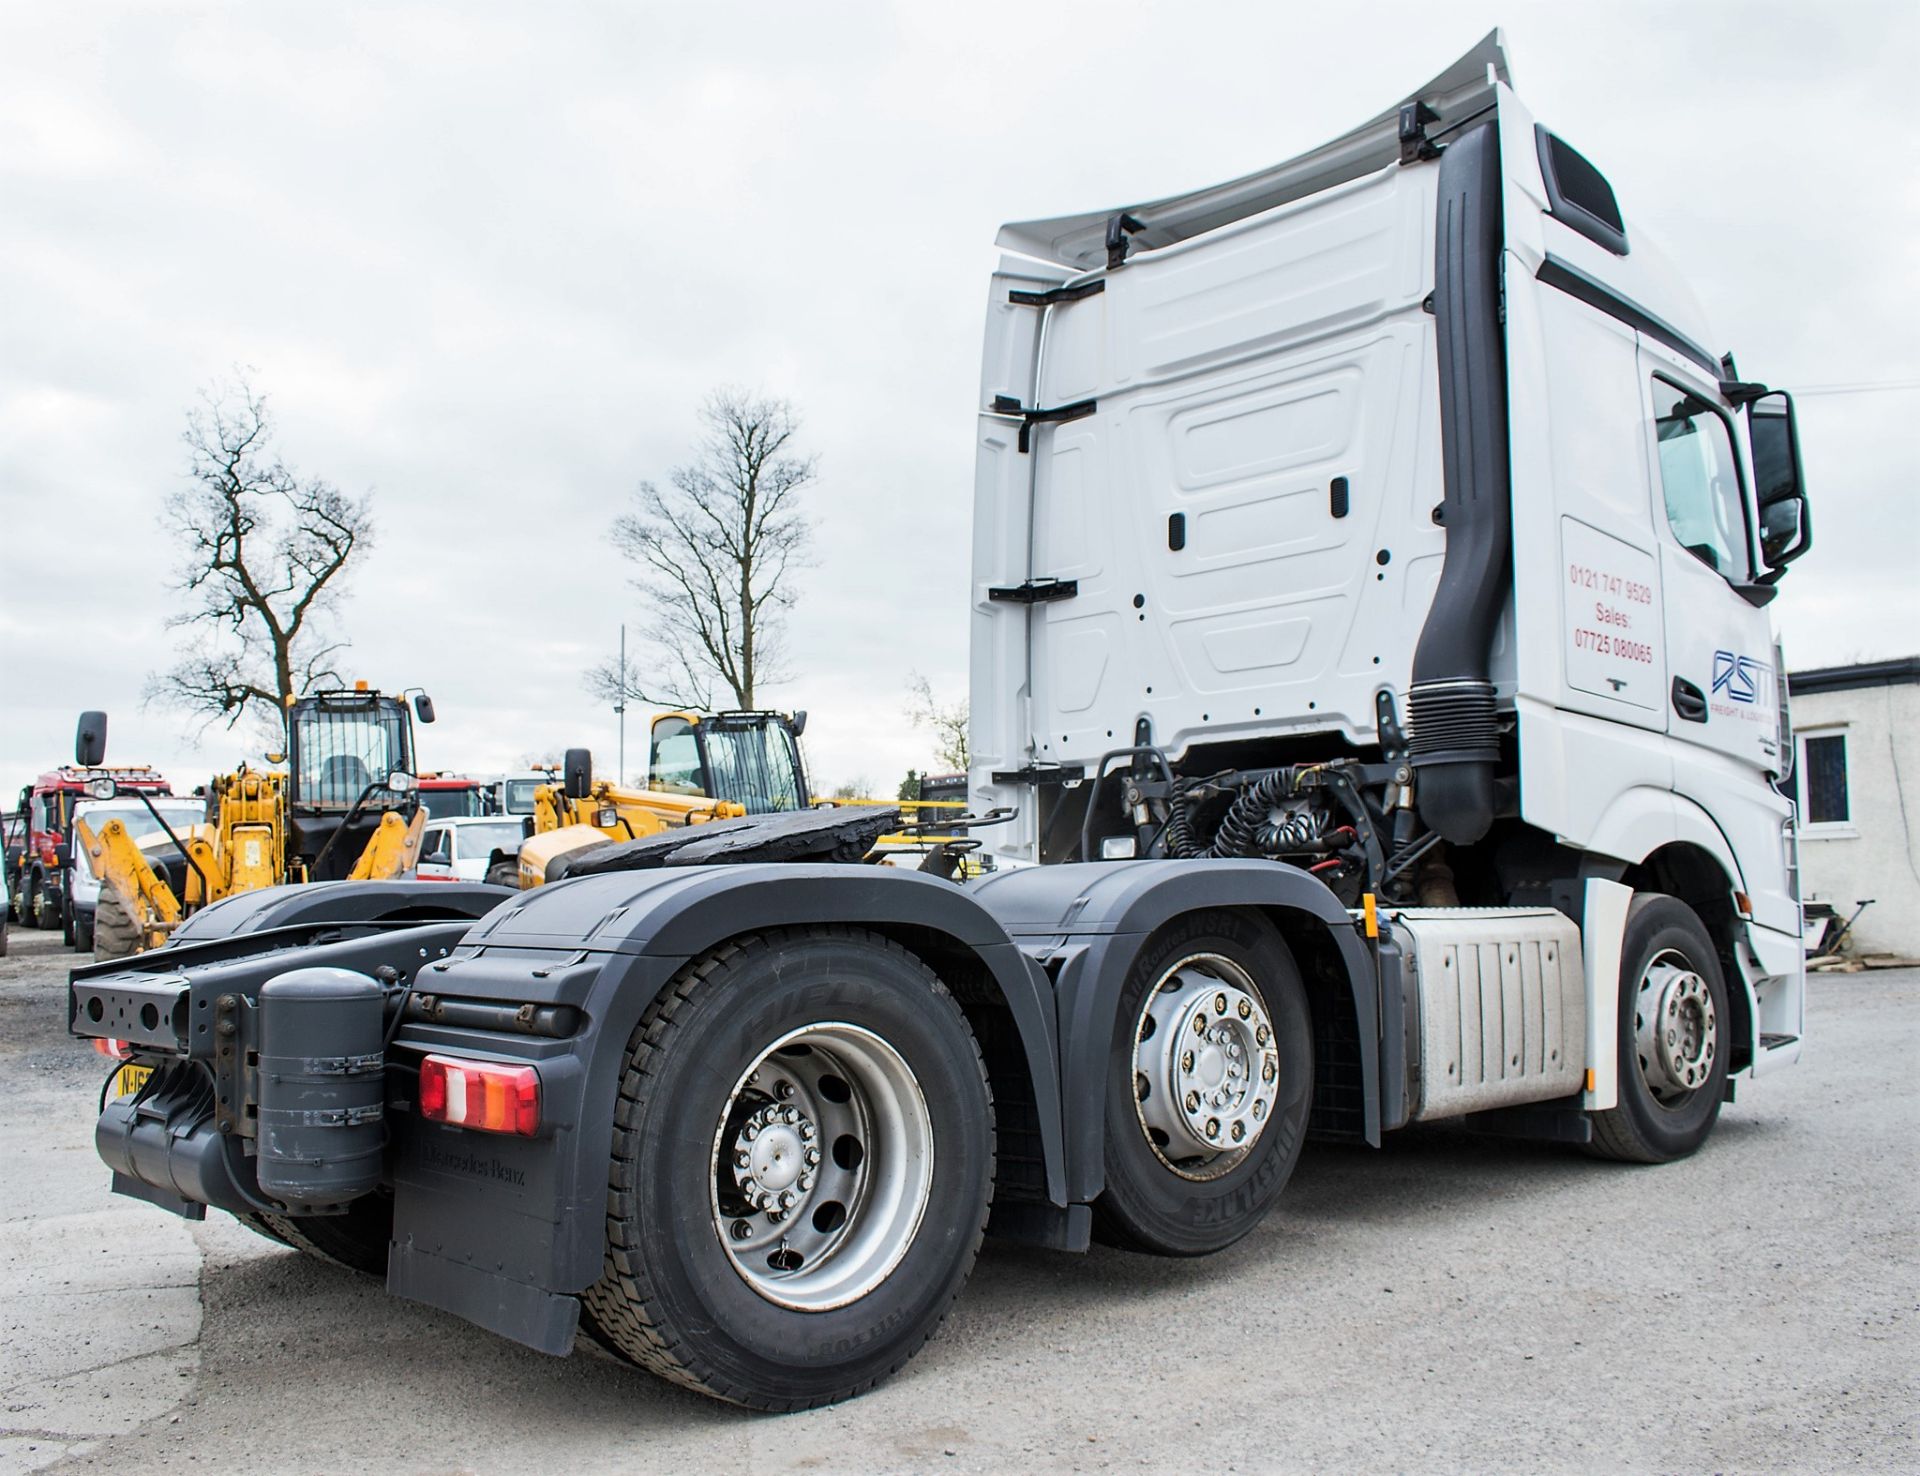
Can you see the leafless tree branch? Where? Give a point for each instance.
(263, 558)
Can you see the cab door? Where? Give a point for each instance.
(1722, 695)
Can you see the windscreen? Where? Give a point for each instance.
(141, 824)
(478, 842)
(519, 795)
(450, 804)
(344, 747)
(754, 766)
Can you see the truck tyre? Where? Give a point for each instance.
(39, 909)
(115, 933)
(802, 1165)
(1209, 1086)
(83, 931)
(505, 874)
(1674, 1037)
(357, 1240)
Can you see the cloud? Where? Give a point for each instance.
(489, 261)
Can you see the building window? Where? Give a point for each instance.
(1823, 780)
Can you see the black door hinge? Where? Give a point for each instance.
(1057, 294)
(1041, 774)
(1414, 143)
(1119, 228)
(1007, 405)
(1035, 591)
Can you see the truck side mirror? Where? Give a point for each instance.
(90, 740)
(799, 721)
(1786, 522)
(423, 707)
(578, 772)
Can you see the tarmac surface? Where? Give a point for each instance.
(1447, 1303)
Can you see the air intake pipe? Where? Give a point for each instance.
(1455, 742)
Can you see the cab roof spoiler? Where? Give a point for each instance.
(1454, 99)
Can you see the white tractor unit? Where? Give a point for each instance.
(1369, 639)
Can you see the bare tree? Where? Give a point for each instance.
(264, 553)
(717, 549)
(946, 721)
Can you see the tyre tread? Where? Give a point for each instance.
(623, 1304)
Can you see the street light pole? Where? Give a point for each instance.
(620, 707)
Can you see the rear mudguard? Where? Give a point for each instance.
(339, 902)
(500, 1229)
(1086, 922)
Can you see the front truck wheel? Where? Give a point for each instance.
(1208, 1088)
(1674, 1036)
(802, 1167)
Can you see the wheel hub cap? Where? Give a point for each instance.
(1205, 1066)
(1677, 1033)
(822, 1167)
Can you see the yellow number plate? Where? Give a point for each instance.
(129, 1079)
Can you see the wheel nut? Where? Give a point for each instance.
(742, 1159)
(1213, 1127)
(1246, 1010)
(741, 1230)
(751, 1133)
(786, 1199)
(1259, 1107)
(807, 1130)
(1239, 1131)
(1200, 1025)
(1186, 1061)
(1263, 1035)
(806, 1181)
(1219, 1004)
(1193, 1101)
(812, 1156)
(1267, 1072)
(783, 1090)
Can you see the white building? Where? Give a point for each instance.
(1857, 780)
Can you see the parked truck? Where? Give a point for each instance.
(1370, 571)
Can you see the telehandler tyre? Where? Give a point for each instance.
(1675, 1034)
(115, 933)
(802, 1165)
(1209, 1085)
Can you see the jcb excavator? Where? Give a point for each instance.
(346, 808)
(701, 767)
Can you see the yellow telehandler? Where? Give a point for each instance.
(347, 808)
(701, 767)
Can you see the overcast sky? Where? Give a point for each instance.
(487, 260)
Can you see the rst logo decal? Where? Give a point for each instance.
(1740, 677)
(1742, 688)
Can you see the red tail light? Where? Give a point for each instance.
(480, 1095)
(118, 1050)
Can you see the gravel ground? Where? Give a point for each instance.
(1448, 1303)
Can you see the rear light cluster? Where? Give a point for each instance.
(480, 1095)
(117, 1050)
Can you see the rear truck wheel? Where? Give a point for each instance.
(506, 874)
(357, 1240)
(1673, 1037)
(115, 933)
(67, 934)
(802, 1167)
(1208, 1088)
(83, 931)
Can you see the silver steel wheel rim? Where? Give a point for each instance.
(822, 1166)
(1676, 1031)
(1206, 1066)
